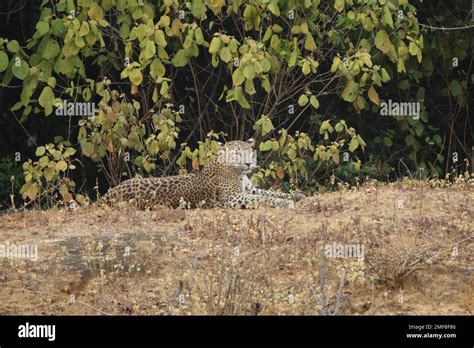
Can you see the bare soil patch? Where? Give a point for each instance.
(417, 257)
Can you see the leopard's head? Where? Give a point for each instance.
(238, 154)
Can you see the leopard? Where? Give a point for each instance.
(222, 183)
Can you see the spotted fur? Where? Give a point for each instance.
(221, 183)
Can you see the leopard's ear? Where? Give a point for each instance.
(251, 142)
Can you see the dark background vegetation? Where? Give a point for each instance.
(449, 127)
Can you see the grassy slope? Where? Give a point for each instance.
(265, 261)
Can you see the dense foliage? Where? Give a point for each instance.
(165, 80)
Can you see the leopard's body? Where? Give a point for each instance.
(221, 183)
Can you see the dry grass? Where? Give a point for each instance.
(418, 243)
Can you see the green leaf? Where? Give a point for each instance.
(419, 129)
(353, 145)
(225, 54)
(160, 38)
(243, 102)
(40, 151)
(351, 91)
(296, 29)
(51, 50)
(266, 66)
(180, 59)
(149, 51)
(410, 140)
(79, 41)
(84, 30)
(413, 48)
(124, 30)
(306, 68)
(215, 45)
(455, 88)
(13, 46)
(293, 58)
(135, 76)
(385, 76)
(249, 87)
(157, 69)
(46, 100)
(137, 13)
(69, 50)
(314, 102)
(265, 146)
(275, 145)
(20, 70)
(382, 41)
(303, 100)
(387, 141)
(49, 173)
(249, 72)
(267, 125)
(249, 11)
(86, 149)
(198, 9)
(214, 61)
(266, 85)
(199, 36)
(164, 88)
(401, 66)
(61, 165)
(3, 61)
(46, 97)
(273, 7)
(387, 16)
(86, 94)
(325, 127)
(275, 42)
(154, 96)
(291, 153)
(42, 28)
(238, 77)
(28, 177)
(17, 106)
(268, 34)
(402, 50)
(164, 21)
(57, 27)
(309, 44)
(64, 66)
(241, 98)
(339, 5)
(51, 81)
(373, 95)
(367, 23)
(360, 102)
(30, 190)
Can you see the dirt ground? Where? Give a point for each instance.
(402, 248)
